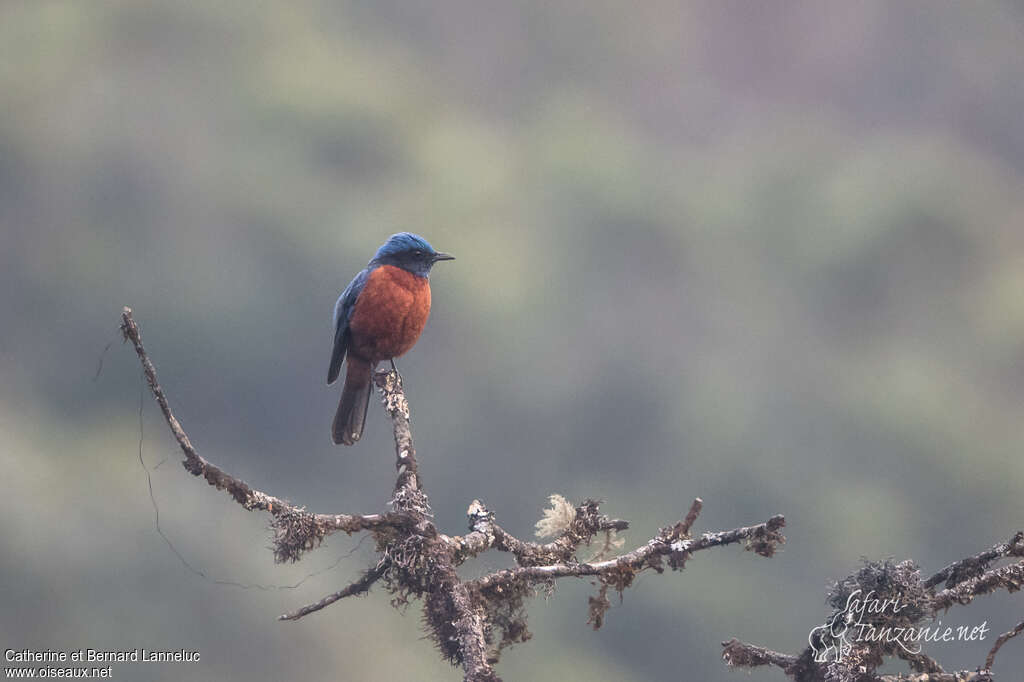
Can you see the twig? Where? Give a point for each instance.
(958, 571)
(487, 534)
(961, 676)
(638, 559)
(358, 587)
(1000, 641)
(1010, 577)
(739, 654)
(298, 529)
(682, 528)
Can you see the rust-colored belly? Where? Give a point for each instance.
(389, 314)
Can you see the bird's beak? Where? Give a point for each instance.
(443, 256)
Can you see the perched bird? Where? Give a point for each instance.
(379, 316)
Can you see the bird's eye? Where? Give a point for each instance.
(417, 253)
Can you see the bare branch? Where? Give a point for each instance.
(194, 464)
(361, 586)
(1000, 641)
(682, 529)
(295, 529)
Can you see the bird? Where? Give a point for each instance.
(379, 316)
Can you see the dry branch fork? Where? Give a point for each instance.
(470, 621)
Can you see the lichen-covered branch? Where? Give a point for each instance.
(803, 668)
(763, 538)
(408, 494)
(487, 534)
(852, 644)
(958, 571)
(960, 676)
(295, 529)
(469, 621)
(1008, 577)
(503, 593)
(414, 561)
(740, 655)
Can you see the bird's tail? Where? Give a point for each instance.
(355, 398)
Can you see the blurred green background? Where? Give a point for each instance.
(770, 254)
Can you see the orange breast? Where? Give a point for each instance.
(389, 314)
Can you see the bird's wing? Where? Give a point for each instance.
(342, 314)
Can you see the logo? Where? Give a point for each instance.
(868, 618)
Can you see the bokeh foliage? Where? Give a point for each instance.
(772, 256)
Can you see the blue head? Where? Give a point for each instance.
(410, 252)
